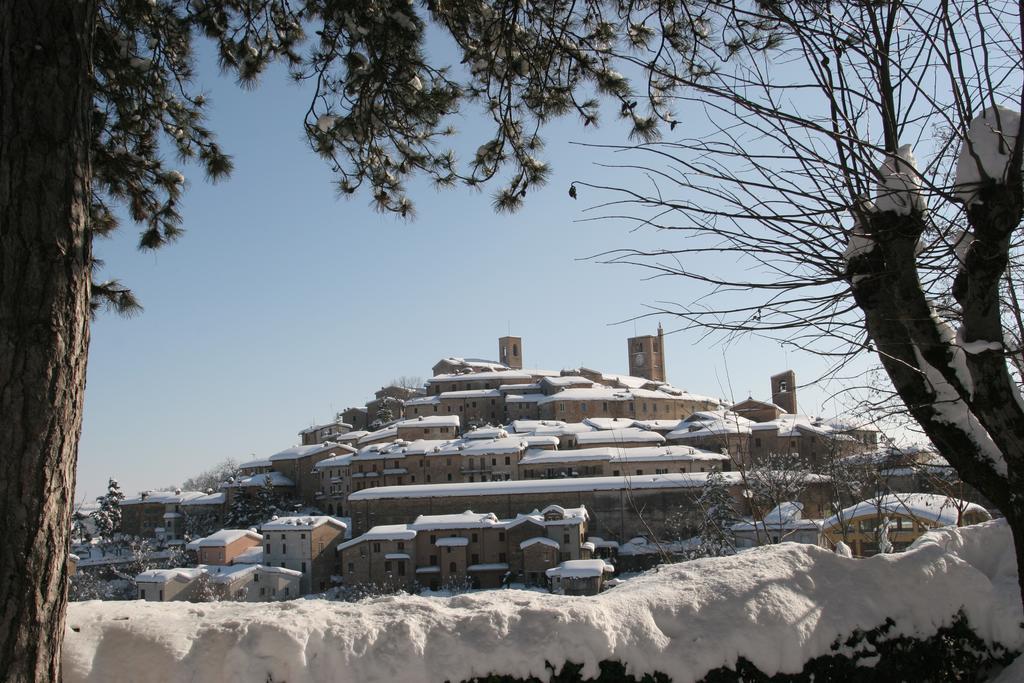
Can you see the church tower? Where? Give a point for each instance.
(510, 352)
(784, 391)
(647, 356)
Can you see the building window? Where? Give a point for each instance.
(302, 536)
(501, 536)
(401, 568)
(615, 473)
(387, 565)
(351, 567)
(561, 407)
(401, 545)
(263, 590)
(376, 547)
(565, 537)
(474, 559)
(449, 476)
(433, 560)
(433, 538)
(303, 569)
(282, 537)
(268, 549)
(583, 407)
(320, 547)
(502, 557)
(284, 549)
(452, 567)
(494, 462)
(142, 593)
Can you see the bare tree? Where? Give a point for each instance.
(809, 175)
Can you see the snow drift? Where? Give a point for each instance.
(777, 607)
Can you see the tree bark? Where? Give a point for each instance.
(45, 258)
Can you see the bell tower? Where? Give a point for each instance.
(647, 356)
(510, 352)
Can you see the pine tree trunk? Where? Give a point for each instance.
(45, 103)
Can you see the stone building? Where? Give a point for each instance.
(467, 547)
(325, 432)
(305, 544)
(157, 514)
(222, 547)
(614, 462)
(647, 356)
(619, 507)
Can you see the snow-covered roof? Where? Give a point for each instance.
(256, 480)
(225, 537)
(165, 497)
(929, 508)
(430, 421)
(614, 436)
(473, 363)
(251, 555)
(542, 486)
(386, 434)
(566, 381)
(471, 393)
(182, 574)
(543, 540)
(488, 567)
(298, 452)
(452, 541)
(610, 454)
(464, 520)
(486, 433)
(208, 499)
(505, 376)
(334, 461)
(785, 516)
(316, 428)
(382, 532)
(302, 522)
(580, 569)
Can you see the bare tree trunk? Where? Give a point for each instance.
(45, 57)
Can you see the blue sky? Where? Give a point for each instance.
(283, 304)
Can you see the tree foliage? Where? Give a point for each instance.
(107, 519)
(716, 535)
(211, 479)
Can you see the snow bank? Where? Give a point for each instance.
(777, 606)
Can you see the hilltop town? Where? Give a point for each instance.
(492, 474)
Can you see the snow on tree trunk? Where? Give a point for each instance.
(45, 102)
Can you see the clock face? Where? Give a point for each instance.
(638, 359)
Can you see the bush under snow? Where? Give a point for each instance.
(775, 607)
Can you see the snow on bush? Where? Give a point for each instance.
(776, 607)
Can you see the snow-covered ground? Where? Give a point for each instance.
(777, 606)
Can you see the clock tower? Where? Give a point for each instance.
(647, 356)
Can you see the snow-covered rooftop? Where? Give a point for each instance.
(610, 454)
(301, 522)
(928, 508)
(614, 436)
(580, 569)
(544, 486)
(225, 537)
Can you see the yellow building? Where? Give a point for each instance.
(909, 515)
